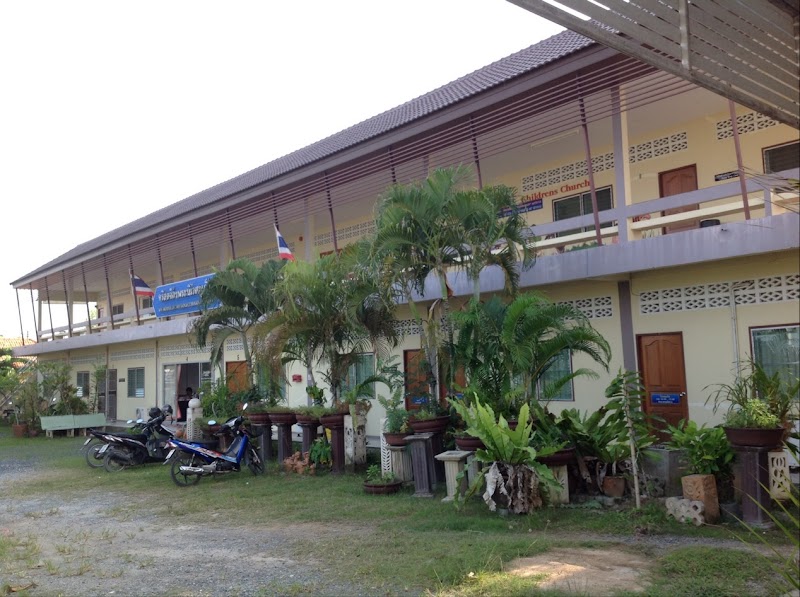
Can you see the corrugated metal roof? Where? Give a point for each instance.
(505, 69)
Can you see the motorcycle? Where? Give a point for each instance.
(124, 450)
(95, 446)
(192, 461)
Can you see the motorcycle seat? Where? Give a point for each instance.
(136, 437)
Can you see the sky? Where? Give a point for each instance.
(112, 110)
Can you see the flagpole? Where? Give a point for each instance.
(135, 299)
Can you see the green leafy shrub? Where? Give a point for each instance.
(754, 414)
(376, 476)
(706, 450)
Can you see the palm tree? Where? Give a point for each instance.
(243, 292)
(501, 345)
(439, 225)
(328, 315)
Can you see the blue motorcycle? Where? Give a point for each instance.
(191, 461)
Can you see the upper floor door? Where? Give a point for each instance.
(674, 182)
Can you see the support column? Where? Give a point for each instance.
(401, 465)
(589, 167)
(453, 464)
(754, 461)
(422, 462)
(622, 165)
(309, 431)
(284, 441)
(336, 424)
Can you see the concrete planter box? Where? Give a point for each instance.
(665, 465)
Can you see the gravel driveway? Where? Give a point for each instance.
(101, 543)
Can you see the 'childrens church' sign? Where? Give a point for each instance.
(181, 297)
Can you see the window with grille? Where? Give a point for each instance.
(777, 350)
(359, 371)
(136, 382)
(117, 309)
(782, 157)
(559, 368)
(147, 302)
(82, 384)
(581, 205)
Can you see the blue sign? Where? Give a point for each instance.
(665, 398)
(524, 207)
(181, 297)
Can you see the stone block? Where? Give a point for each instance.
(664, 468)
(684, 510)
(703, 488)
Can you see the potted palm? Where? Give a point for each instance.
(396, 426)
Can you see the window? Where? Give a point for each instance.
(147, 302)
(560, 368)
(777, 349)
(782, 157)
(363, 367)
(268, 385)
(117, 309)
(83, 384)
(136, 382)
(581, 205)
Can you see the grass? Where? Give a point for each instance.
(389, 543)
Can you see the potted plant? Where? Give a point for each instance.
(513, 476)
(379, 482)
(258, 412)
(309, 415)
(396, 426)
(549, 439)
(431, 417)
(761, 407)
(705, 452)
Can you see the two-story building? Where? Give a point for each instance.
(688, 267)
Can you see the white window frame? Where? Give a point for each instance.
(580, 198)
(791, 366)
(135, 376)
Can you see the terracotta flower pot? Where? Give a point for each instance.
(435, 425)
(469, 443)
(746, 436)
(259, 418)
(382, 488)
(283, 418)
(560, 458)
(336, 420)
(614, 486)
(307, 420)
(395, 439)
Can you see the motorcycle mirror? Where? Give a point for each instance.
(212, 422)
(244, 408)
(129, 422)
(140, 420)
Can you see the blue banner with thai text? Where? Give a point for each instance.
(665, 398)
(181, 297)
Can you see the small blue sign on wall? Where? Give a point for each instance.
(665, 398)
(180, 297)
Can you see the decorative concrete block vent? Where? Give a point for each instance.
(779, 483)
(684, 510)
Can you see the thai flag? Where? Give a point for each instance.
(140, 287)
(283, 249)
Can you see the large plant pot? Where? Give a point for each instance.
(259, 418)
(435, 425)
(561, 458)
(332, 421)
(283, 418)
(469, 443)
(395, 439)
(761, 438)
(614, 486)
(19, 430)
(382, 488)
(308, 420)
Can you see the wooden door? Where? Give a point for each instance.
(674, 182)
(416, 380)
(236, 376)
(664, 376)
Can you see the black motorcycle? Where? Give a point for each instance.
(124, 450)
(95, 446)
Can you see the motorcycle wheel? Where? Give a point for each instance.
(93, 459)
(254, 462)
(111, 464)
(182, 479)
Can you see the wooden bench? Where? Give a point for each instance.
(70, 423)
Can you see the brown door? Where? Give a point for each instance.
(236, 376)
(674, 182)
(416, 379)
(664, 377)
